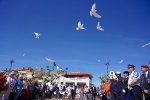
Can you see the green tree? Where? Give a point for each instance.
(48, 69)
(31, 69)
(54, 64)
(103, 79)
(65, 70)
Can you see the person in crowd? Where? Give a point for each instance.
(134, 90)
(68, 90)
(56, 91)
(115, 87)
(107, 88)
(50, 87)
(6, 91)
(24, 90)
(77, 92)
(90, 93)
(94, 92)
(97, 91)
(45, 90)
(145, 82)
(81, 91)
(86, 90)
(27, 93)
(102, 95)
(40, 91)
(13, 89)
(9, 79)
(61, 91)
(32, 89)
(73, 92)
(124, 85)
(15, 78)
(19, 87)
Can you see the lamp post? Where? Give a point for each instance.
(107, 64)
(11, 62)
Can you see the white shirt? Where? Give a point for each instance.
(61, 91)
(146, 73)
(69, 90)
(134, 75)
(9, 80)
(50, 86)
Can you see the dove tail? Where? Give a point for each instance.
(77, 28)
(90, 13)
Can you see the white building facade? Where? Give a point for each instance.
(77, 78)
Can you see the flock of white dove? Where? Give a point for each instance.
(80, 26)
(94, 13)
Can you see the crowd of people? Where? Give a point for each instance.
(17, 88)
(130, 86)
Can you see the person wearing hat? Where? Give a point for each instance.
(115, 87)
(134, 89)
(118, 75)
(124, 85)
(145, 82)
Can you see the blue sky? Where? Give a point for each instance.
(126, 28)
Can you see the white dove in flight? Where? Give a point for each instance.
(99, 27)
(146, 44)
(80, 26)
(23, 54)
(93, 11)
(37, 35)
(57, 67)
(49, 59)
(98, 60)
(121, 61)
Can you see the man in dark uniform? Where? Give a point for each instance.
(116, 87)
(145, 82)
(124, 85)
(113, 89)
(94, 92)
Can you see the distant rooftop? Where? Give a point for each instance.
(78, 74)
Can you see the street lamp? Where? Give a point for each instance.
(107, 64)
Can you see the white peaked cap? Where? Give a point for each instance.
(118, 72)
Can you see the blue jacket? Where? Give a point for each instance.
(19, 84)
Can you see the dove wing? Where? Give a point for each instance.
(96, 15)
(121, 61)
(46, 58)
(145, 44)
(98, 24)
(35, 33)
(93, 7)
(79, 24)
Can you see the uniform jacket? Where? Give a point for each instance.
(145, 82)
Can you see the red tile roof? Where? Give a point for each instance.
(80, 74)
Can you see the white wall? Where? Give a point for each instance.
(74, 80)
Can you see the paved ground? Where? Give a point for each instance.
(69, 99)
